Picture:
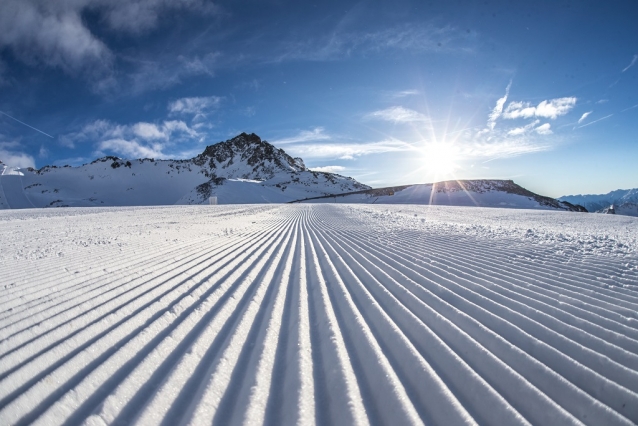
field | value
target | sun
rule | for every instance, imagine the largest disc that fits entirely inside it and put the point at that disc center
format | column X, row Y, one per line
column 441, row 159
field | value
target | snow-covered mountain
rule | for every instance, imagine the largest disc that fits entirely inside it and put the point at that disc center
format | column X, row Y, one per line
column 244, row 169
column 624, row 201
column 481, row 193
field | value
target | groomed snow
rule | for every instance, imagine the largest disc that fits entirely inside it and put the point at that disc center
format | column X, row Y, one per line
column 327, row 314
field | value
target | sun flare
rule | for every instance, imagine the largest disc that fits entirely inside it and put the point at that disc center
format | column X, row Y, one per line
column 441, row 159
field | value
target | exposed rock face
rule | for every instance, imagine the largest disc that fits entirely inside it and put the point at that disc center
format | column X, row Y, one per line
column 263, row 159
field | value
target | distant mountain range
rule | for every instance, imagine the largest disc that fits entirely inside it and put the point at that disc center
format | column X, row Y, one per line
column 241, row 170
column 622, row 201
column 244, row 169
column 480, row 193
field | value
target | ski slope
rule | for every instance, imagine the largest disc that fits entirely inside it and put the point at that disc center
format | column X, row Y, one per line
column 317, row 314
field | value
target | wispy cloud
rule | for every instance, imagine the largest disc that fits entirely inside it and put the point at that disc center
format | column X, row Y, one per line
column 162, row 72
column 595, row 121
column 498, row 108
column 547, row 109
column 584, row 116
column 522, row 130
column 633, row 62
column 348, row 151
column 341, row 44
column 398, row 114
column 502, row 148
column 197, row 106
column 316, row 134
column 405, row 93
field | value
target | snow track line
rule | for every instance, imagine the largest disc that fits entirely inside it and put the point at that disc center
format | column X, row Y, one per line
column 549, row 281
column 629, row 359
column 621, row 401
column 201, row 254
column 523, row 285
column 313, row 314
column 79, row 351
column 70, row 334
column 130, row 260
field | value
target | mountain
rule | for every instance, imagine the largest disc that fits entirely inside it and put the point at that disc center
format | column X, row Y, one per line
column 241, row 170
column 481, row 193
column 624, row 201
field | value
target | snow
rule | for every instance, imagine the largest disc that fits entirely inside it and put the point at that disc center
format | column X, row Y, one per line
column 481, row 193
column 242, row 170
column 158, row 182
column 317, row 313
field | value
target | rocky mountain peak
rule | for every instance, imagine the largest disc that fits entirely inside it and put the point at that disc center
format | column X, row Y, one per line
column 262, row 159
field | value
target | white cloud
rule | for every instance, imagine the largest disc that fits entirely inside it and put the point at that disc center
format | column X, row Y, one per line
column 522, row 130
column 544, row 129
column 329, row 169
column 316, row 134
column 148, row 131
column 131, row 148
column 134, row 140
column 398, row 114
column 546, row 109
column 195, row 105
column 584, row 116
column 498, row 109
column 13, row 158
column 633, row 62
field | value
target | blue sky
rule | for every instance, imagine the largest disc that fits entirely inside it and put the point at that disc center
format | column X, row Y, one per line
column 544, row 93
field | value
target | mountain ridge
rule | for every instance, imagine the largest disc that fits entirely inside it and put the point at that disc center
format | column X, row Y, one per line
column 624, row 201
column 472, row 192
column 243, row 169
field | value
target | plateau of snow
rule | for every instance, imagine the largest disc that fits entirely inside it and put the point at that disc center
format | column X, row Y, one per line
column 317, row 314
column 477, row 193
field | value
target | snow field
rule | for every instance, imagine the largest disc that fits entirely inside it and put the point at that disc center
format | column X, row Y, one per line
column 328, row 314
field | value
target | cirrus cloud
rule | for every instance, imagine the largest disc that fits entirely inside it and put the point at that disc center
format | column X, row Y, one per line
column 398, row 114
